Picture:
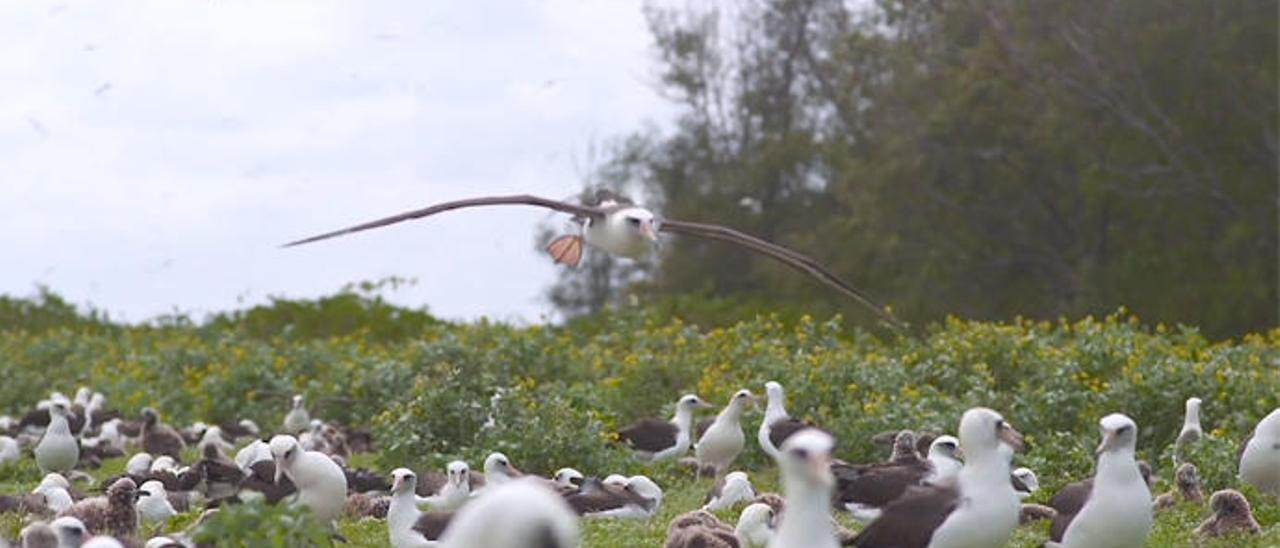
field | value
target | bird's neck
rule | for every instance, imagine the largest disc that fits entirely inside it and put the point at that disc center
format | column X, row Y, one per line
column 808, row 513
column 1117, row 468
column 775, row 411
column 987, row 467
column 1192, row 417
column 683, row 419
column 403, row 511
column 730, row 413
column 58, row 425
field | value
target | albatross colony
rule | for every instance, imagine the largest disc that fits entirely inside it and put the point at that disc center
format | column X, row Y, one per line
column 961, row 495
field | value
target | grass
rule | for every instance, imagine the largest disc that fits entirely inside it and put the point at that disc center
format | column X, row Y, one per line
column 682, row 493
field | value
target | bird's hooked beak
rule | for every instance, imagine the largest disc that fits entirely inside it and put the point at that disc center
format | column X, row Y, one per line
column 1011, row 437
column 649, row 229
column 515, row 472
column 279, row 468
column 1110, row 441
column 703, row 404
column 820, row 468
column 396, row 484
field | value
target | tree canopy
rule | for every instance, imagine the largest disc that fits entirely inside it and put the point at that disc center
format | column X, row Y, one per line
column 986, row 159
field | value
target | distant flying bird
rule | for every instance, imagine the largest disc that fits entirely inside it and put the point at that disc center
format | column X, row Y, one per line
column 618, row 226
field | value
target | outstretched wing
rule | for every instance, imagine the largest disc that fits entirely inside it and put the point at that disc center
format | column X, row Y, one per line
column 781, row 254
column 519, row 199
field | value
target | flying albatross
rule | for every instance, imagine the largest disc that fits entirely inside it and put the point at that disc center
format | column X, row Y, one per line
column 618, row 226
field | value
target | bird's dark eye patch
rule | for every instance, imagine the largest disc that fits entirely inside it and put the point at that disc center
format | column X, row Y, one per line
column 633, row 221
column 800, row 452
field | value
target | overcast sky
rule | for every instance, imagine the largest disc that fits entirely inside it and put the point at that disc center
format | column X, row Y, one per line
column 153, row 154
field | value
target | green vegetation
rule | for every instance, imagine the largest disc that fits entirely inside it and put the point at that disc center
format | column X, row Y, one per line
column 562, row 390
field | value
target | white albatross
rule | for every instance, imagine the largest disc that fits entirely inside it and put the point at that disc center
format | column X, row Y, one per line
column 618, row 226
column 724, row 439
column 321, row 484
column 977, row 510
column 1260, row 456
column 58, row 450
column 805, row 461
column 1117, row 512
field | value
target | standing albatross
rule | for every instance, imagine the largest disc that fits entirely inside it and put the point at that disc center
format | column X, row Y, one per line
column 1117, row 508
column 618, row 226
column 978, row 509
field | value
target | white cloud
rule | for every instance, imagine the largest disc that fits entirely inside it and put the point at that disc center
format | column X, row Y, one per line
column 155, row 153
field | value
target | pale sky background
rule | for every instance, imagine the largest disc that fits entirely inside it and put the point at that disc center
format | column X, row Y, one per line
column 153, row 154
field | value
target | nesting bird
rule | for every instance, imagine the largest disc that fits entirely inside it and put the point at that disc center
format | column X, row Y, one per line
column 656, row 439
column 321, row 484
column 636, row 497
column 1025, row 482
column 1260, row 456
column 1117, row 507
column 1186, row 489
column 729, row 490
column 864, row 490
column 756, row 525
column 58, row 450
column 978, row 509
column 724, row 439
column 700, row 529
column 1231, row 515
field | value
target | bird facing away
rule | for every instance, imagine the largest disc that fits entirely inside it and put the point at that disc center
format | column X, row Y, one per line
column 729, row 490
column 1231, row 515
column 322, row 487
column 1191, row 431
column 518, row 514
column 58, row 450
column 9, row 450
column 620, row 227
column 1117, row 512
column 656, row 439
column 977, row 509
column 297, row 420
column 1260, row 457
column 805, row 462
column 724, row 439
column 1186, row 489
column 944, row 459
column 756, row 525
column 499, row 470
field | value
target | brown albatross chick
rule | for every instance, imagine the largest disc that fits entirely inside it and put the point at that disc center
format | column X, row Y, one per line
column 1187, row 480
column 159, row 438
column 700, row 529
column 1231, row 514
column 114, row 515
